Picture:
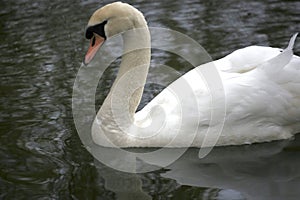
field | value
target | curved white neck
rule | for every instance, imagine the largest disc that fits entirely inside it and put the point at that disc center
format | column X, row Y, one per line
column 126, row 92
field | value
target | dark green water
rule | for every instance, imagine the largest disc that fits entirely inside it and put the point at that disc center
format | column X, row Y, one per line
column 41, row 156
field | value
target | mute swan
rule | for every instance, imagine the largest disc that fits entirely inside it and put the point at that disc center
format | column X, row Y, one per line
column 261, row 84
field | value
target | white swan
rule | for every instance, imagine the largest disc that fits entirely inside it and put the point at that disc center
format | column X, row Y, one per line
column 261, row 84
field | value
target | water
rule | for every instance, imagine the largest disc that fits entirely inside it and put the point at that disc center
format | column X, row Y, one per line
column 41, row 155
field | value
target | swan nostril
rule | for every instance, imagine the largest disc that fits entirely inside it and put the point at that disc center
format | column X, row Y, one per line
column 93, row 41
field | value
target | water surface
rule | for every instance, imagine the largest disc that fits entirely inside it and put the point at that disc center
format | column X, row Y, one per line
column 41, row 155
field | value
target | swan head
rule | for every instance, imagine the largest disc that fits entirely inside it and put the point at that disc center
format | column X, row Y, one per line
column 108, row 21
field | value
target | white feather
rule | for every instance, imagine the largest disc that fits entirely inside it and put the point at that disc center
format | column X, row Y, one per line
column 262, row 90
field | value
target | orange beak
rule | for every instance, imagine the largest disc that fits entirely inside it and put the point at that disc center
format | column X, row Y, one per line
column 95, row 44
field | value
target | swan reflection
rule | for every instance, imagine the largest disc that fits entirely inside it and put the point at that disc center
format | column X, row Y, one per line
column 260, row 171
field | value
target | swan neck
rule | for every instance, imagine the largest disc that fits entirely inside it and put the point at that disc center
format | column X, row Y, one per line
column 126, row 92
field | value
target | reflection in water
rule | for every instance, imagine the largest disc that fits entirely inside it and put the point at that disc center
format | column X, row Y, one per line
column 41, row 156
column 260, row 171
column 124, row 185
column 267, row 171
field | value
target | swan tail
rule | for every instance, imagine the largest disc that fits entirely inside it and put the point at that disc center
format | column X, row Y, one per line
column 273, row 66
column 292, row 41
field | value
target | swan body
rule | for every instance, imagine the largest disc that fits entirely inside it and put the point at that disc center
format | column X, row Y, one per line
column 261, row 87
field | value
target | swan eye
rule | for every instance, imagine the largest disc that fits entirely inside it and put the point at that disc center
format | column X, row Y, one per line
column 99, row 29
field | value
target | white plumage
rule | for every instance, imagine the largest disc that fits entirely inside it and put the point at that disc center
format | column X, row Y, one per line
column 262, row 93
